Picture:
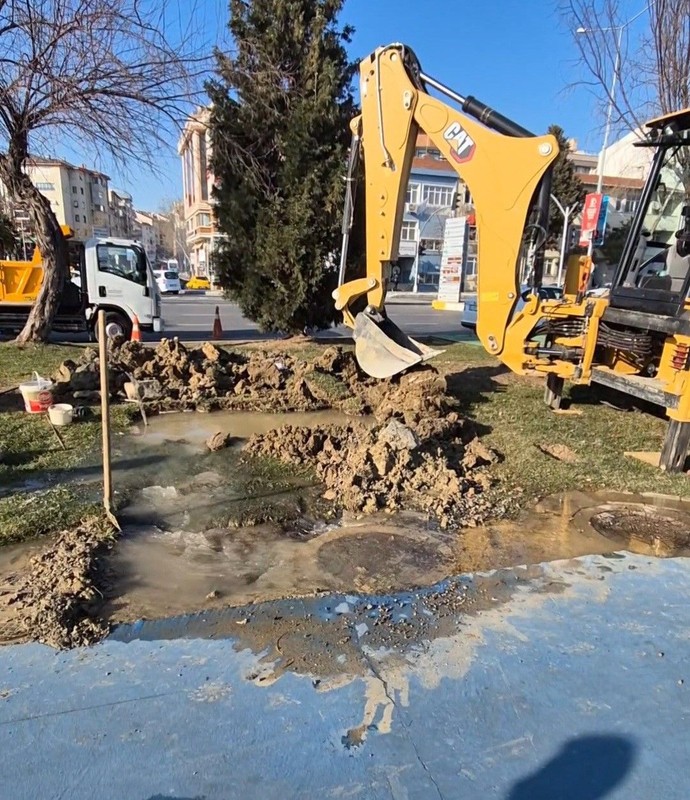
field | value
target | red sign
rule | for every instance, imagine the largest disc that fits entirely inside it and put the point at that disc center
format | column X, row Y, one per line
column 590, row 217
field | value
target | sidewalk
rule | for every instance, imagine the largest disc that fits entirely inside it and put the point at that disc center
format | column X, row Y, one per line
column 566, row 680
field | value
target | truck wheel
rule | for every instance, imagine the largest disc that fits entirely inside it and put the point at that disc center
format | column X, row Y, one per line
column 116, row 324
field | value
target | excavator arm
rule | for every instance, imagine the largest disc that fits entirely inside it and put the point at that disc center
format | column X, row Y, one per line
column 506, row 169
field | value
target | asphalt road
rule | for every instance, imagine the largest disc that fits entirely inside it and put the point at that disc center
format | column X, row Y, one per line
column 190, row 316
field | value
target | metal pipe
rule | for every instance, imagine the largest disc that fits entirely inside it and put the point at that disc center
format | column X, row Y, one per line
column 348, row 211
column 443, row 88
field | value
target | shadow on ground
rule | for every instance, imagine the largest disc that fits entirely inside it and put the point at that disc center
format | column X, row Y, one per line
column 585, row 768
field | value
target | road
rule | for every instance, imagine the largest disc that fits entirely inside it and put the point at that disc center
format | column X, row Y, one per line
column 190, row 316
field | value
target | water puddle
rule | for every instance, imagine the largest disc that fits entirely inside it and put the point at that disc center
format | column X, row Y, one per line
column 194, row 428
column 158, row 574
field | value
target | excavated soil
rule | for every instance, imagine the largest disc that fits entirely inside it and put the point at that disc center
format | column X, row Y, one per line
column 55, row 599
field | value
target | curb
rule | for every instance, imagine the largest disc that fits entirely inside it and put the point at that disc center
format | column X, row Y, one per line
column 447, row 305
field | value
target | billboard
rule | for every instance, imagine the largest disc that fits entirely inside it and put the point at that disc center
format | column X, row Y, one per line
column 452, row 259
column 590, row 218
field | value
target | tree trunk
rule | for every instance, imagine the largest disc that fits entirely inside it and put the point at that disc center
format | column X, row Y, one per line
column 51, row 244
column 53, row 249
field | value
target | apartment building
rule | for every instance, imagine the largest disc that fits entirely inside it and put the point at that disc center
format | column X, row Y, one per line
column 77, row 195
column 122, row 219
column 156, row 234
column 431, row 191
column 194, row 149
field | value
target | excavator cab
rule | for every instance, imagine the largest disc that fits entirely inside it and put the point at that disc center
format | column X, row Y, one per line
column 663, row 215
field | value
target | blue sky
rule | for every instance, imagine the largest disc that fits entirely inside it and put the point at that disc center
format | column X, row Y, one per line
column 515, row 55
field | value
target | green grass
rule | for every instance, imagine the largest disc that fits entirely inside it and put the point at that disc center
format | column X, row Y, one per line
column 326, row 385
column 511, row 417
column 31, row 451
column 17, row 363
column 32, row 514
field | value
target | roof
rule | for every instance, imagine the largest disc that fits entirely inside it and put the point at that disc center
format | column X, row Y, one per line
column 681, row 118
column 434, row 165
column 591, row 179
column 40, row 161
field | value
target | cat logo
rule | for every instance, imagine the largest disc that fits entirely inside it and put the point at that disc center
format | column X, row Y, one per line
column 462, row 144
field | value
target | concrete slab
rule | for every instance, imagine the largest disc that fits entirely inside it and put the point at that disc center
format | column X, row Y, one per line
column 572, row 685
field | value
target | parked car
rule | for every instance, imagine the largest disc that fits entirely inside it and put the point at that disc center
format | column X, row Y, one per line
column 168, row 281
column 198, row 282
column 469, row 313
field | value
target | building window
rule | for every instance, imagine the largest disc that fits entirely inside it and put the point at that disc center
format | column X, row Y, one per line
column 45, row 187
column 203, row 220
column 76, row 218
column 412, row 195
column 74, row 190
column 439, row 196
column 82, row 190
column 432, row 245
column 471, row 266
column 408, row 232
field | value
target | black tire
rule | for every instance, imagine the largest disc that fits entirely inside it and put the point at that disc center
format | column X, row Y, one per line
column 175, row 292
column 123, row 322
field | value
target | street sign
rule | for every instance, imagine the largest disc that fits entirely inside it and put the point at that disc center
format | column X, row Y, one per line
column 590, row 217
column 452, row 259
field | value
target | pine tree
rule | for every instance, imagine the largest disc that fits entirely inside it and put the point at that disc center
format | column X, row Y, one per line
column 566, row 186
column 281, row 107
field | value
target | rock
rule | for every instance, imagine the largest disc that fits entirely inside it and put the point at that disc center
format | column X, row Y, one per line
column 219, row 441
column 560, row 452
column 240, row 387
column 478, row 455
column 399, row 436
column 85, row 378
column 211, row 352
column 214, row 595
column 64, row 372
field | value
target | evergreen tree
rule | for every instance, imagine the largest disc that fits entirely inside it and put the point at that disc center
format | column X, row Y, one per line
column 566, row 186
column 282, row 104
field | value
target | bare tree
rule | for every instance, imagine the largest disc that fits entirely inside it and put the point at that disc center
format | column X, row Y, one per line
column 652, row 70
column 109, row 77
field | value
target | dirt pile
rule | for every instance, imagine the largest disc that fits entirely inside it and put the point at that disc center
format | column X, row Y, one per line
column 172, row 376
column 420, row 455
column 55, row 601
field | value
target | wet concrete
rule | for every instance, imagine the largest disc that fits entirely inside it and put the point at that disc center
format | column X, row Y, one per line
column 567, row 686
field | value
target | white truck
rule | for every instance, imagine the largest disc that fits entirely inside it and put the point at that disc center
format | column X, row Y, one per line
column 105, row 273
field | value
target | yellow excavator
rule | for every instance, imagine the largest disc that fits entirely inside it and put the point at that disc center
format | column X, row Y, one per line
column 634, row 337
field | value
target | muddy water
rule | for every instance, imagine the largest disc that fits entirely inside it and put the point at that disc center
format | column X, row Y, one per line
column 194, row 428
column 159, row 574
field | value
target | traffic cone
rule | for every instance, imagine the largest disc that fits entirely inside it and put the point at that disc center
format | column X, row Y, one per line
column 217, row 327
column 136, row 333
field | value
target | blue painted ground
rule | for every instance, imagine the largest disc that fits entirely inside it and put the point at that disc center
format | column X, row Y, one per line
column 575, row 688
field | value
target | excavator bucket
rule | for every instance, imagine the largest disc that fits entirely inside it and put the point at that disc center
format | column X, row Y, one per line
column 382, row 349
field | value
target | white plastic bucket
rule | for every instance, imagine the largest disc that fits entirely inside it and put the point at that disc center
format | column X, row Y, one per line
column 37, row 394
column 61, row 414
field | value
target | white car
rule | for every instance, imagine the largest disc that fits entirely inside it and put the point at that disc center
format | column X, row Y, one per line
column 469, row 313
column 168, row 281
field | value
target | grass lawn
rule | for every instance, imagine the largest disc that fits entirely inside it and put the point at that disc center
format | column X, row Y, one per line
column 30, row 450
column 510, row 414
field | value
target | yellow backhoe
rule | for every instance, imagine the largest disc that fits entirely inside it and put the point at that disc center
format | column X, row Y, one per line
column 634, row 338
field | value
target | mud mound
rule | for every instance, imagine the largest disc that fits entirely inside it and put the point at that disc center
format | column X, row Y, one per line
column 172, row 376
column 435, row 466
column 55, row 601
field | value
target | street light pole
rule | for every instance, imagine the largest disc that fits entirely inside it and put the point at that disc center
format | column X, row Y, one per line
column 612, row 100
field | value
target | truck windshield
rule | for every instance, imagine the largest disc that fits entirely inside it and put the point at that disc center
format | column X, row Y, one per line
column 128, row 262
column 171, row 276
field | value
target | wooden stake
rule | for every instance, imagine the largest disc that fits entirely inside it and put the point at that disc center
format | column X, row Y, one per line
column 105, row 420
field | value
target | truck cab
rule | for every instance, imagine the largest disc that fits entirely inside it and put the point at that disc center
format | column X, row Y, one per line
column 104, row 273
